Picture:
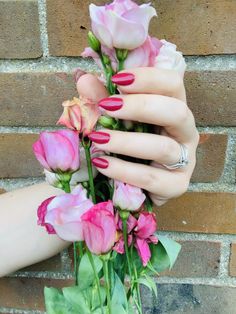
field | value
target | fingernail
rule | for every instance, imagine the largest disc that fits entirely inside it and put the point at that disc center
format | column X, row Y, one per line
column 111, row 104
column 77, row 74
column 123, row 79
column 99, row 137
column 100, row 162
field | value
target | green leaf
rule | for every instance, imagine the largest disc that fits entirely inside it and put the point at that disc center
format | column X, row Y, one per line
column 95, row 298
column 86, row 275
column 77, row 298
column 148, row 282
column 56, row 304
column 172, row 248
column 118, row 294
column 117, row 308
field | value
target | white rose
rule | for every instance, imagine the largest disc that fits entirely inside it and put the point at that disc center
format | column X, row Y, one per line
column 169, row 58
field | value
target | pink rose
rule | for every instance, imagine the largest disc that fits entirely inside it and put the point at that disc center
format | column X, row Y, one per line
column 127, row 197
column 99, row 227
column 58, row 151
column 144, row 234
column 145, row 55
column 64, row 214
column 79, row 114
column 169, row 58
column 122, row 24
column 42, row 210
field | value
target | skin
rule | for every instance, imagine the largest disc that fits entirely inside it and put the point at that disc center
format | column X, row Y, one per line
column 157, row 97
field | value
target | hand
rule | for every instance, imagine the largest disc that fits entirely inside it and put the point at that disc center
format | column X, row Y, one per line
column 157, row 97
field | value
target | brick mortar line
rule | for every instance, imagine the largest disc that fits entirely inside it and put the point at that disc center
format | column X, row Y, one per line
column 224, row 260
column 197, row 281
column 192, row 236
column 19, row 311
column 48, row 64
column 14, row 183
column 24, row 129
column 228, row 175
column 43, row 26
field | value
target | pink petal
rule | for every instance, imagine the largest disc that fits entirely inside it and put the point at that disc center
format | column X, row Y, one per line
column 40, row 154
column 143, row 250
column 146, row 225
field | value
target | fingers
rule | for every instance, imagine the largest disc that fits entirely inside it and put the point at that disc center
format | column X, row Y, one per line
column 160, row 182
column 159, row 148
column 89, row 86
column 150, row 80
column 171, row 113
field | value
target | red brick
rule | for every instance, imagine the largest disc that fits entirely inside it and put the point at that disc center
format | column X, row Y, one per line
column 33, row 99
column 232, row 266
column 196, row 259
column 211, row 96
column 17, row 158
column 27, row 293
column 177, row 22
column 51, row 264
column 206, row 212
column 19, row 30
column 210, row 158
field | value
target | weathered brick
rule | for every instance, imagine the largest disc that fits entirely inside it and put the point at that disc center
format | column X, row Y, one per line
column 68, row 28
column 197, row 259
column 51, row 264
column 232, row 266
column 211, row 96
column 210, row 158
column 19, row 29
column 27, row 293
column 17, row 158
column 191, row 299
column 207, row 212
column 33, row 99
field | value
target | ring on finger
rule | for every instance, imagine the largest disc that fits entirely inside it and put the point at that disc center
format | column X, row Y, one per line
column 183, row 160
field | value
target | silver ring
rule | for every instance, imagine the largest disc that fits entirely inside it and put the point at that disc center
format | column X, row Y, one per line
column 183, row 161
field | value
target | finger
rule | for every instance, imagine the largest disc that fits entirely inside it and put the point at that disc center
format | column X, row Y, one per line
column 171, row 113
column 151, row 80
column 157, row 181
column 89, row 86
column 161, row 149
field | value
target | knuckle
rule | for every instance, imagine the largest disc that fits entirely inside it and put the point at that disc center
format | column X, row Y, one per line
column 150, row 181
column 178, row 82
column 166, row 148
column 182, row 112
column 183, row 185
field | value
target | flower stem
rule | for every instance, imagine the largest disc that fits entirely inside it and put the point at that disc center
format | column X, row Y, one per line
column 136, row 285
column 107, row 281
column 96, row 279
column 90, row 169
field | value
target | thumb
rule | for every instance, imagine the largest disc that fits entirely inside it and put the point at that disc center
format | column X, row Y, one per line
column 89, row 86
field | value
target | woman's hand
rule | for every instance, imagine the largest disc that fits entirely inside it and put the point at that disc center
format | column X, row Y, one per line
column 153, row 96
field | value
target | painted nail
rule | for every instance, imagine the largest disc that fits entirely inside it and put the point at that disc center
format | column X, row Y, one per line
column 99, row 137
column 123, row 79
column 77, row 74
column 111, row 104
column 100, row 162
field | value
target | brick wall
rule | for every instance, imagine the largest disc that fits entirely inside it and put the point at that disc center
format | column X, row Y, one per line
column 40, row 42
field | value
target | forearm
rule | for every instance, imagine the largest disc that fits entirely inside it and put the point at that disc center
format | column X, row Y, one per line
column 22, row 241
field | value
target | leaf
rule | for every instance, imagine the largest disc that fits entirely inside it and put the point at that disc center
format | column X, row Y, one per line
column 172, row 248
column 95, row 298
column 148, row 282
column 77, row 297
column 86, row 275
column 118, row 294
column 117, row 308
column 56, row 303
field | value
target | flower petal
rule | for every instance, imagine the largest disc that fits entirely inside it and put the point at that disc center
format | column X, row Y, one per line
column 143, row 250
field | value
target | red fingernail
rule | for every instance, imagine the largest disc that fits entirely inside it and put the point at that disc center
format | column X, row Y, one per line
column 123, row 79
column 111, row 104
column 77, row 74
column 99, row 137
column 100, row 162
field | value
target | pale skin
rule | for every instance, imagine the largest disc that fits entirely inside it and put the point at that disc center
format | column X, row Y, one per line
column 156, row 97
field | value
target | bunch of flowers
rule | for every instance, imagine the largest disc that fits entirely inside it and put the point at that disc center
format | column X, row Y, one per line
column 111, row 223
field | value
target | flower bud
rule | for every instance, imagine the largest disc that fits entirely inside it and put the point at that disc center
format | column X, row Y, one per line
column 94, row 43
column 121, row 54
column 107, row 122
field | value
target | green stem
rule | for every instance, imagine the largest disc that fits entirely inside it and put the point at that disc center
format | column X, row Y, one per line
column 107, row 281
column 90, row 170
column 136, row 285
column 124, row 227
column 96, row 279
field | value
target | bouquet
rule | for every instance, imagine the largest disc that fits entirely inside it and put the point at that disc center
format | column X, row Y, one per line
column 112, row 224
